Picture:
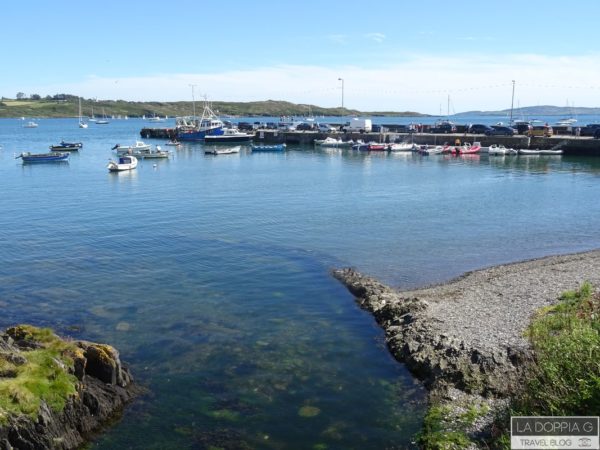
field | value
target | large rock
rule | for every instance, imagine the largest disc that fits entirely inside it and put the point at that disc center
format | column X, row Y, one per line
column 103, row 386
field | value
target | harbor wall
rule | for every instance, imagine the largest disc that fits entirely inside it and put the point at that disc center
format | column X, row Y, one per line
column 571, row 145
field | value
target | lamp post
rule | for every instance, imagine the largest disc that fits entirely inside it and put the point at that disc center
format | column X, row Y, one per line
column 193, row 99
column 512, row 102
column 342, row 80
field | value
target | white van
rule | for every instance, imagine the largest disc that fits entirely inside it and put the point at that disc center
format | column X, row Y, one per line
column 359, row 125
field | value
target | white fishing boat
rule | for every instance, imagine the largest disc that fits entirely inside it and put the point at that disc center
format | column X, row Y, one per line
column 127, row 162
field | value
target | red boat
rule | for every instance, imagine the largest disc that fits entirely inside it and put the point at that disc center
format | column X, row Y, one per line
column 466, row 149
column 377, row 147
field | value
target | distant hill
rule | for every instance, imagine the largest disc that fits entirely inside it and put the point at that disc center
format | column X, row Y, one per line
column 67, row 106
column 543, row 110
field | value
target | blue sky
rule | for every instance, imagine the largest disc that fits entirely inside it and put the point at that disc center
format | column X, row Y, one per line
column 392, row 55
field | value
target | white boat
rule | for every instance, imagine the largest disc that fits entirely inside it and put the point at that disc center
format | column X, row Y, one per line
column 174, row 143
column 524, row 151
column 127, row 162
column 102, row 121
column 403, row 147
column 222, row 151
column 496, row 149
column 230, row 135
column 30, row 124
column 155, row 119
column 156, row 153
column 427, row 150
column 130, row 149
column 332, row 142
column 82, row 124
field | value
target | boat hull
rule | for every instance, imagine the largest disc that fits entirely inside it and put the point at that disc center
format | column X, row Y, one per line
column 44, row 157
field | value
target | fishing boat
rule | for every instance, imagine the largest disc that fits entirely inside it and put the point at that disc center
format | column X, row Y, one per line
column 30, row 124
column 194, row 129
column 66, row 146
column 127, row 162
column 230, row 135
column 129, row 149
column 222, row 150
column 269, row 148
column 29, row 157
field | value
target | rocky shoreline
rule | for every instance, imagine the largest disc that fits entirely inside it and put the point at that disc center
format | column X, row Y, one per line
column 465, row 339
column 102, row 386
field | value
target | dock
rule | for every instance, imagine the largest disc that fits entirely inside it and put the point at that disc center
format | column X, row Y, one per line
column 569, row 144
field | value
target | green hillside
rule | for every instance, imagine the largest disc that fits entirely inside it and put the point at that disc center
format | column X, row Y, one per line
column 67, row 106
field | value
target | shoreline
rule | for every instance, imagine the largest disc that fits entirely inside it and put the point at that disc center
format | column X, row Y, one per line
column 464, row 339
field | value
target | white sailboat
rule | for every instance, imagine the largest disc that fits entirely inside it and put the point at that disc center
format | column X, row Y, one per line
column 82, row 124
column 103, row 121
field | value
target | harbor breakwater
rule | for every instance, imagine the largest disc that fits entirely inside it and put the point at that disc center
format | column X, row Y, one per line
column 466, row 339
column 571, row 145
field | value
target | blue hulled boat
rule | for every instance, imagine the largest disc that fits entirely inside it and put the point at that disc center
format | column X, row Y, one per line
column 28, row 157
column 268, row 148
column 191, row 128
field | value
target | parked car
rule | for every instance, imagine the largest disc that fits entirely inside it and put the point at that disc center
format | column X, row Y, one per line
column 541, row 130
column 325, row 128
column 304, row 127
column 501, row 130
column 523, row 128
column 479, row 129
column 443, row 128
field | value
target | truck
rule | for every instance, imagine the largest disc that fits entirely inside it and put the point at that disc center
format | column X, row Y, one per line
column 359, row 125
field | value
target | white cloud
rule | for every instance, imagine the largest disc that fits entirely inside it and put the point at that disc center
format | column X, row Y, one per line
column 417, row 83
column 377, row 37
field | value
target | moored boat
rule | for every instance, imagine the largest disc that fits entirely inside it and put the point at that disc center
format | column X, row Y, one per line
column 193, row 129
column 29, row 157
column 156, row 153
column 402, row 147
column 332, row 142
column 222, row 150
column 427, row 150
column 127, row 162
column 30, row 124
column 67, row 146
column 230, row 135
column 524, row 151
column 375, row 147
column 125, row 149
column 268, row 148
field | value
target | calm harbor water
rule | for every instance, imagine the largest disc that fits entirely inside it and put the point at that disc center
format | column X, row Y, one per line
column 211, row 274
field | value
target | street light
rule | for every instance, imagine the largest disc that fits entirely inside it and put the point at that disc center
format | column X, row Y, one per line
column 342, row 80
column 193, row 99
column 512, row 102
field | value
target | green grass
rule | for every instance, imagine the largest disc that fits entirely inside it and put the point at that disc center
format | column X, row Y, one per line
column 439, row 432
column 43, row 377
column 564, row 378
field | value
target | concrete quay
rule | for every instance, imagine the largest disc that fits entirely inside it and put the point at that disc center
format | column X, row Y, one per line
column 571, row 145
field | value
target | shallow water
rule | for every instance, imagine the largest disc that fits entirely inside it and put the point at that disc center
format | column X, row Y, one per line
column 211, row 274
